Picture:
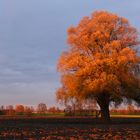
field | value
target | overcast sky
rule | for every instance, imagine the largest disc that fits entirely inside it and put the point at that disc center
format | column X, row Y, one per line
column 32, row 36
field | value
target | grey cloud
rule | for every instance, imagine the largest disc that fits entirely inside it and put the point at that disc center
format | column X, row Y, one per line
column 32, row 36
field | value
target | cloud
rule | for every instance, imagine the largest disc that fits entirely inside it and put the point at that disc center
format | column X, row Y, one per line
column 32, row 36
column 28, row 93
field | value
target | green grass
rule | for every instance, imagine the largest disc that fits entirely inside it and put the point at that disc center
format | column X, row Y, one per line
column 49, row 114
column 125, row 116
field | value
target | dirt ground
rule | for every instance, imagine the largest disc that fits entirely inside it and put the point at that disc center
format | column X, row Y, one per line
column 68, row 129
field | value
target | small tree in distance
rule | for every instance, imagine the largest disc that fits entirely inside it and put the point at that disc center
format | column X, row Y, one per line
column 52, row 109
column 101, row 62
column 10, row 110
column 19, row 109
column 41, row 108
column 28, row 110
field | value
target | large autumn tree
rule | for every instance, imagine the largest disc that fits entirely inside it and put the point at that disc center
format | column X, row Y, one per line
column 101, row 62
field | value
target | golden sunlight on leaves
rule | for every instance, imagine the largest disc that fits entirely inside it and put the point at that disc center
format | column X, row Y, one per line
column 100, row 57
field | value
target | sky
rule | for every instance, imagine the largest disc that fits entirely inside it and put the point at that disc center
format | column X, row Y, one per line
column 32, row 37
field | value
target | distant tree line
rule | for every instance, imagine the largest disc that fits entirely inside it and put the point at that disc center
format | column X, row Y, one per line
column 130, row 110
column 19, row 109
column 91, row 108
column 79, row 108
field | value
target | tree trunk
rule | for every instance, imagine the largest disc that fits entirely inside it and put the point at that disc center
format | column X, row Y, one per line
column 104, row 108
column 105, row 116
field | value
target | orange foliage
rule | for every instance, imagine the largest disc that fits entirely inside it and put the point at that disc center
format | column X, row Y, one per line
column 101, row 60
column 28, row 110
column 19, row 109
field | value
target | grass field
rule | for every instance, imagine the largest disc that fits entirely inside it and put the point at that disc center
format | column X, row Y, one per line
column 68, row 128
column 125, row 116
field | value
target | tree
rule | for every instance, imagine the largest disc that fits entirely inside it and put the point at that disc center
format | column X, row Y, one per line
column 130, row 109
column 19, row 109
column 41, row 108
column 28, row 110
column 52, row 109
column 101, row 62
column 10, row 110
column 2, row 107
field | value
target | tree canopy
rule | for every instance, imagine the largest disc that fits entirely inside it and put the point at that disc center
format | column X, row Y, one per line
column 101, row 62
